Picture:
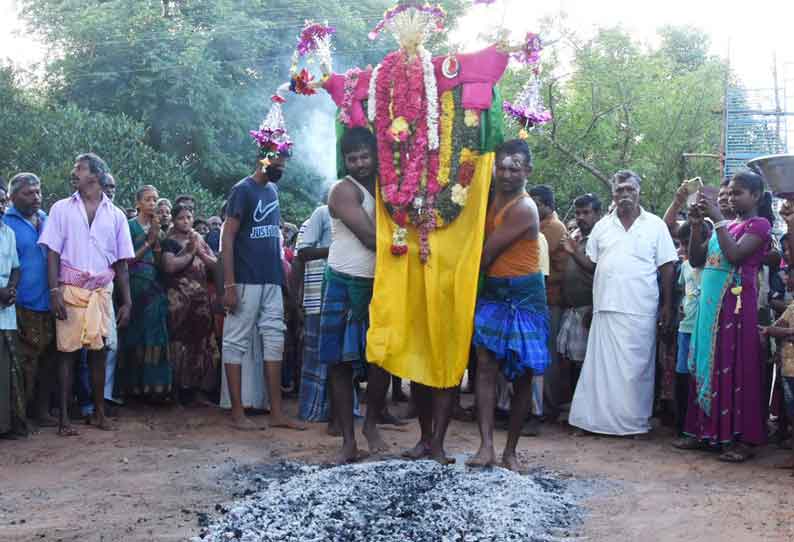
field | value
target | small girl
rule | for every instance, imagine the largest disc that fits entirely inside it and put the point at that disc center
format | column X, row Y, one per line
column 783, row 330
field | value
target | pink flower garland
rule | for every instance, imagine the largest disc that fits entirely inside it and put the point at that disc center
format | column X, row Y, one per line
column 351, row 82
column 406, row 97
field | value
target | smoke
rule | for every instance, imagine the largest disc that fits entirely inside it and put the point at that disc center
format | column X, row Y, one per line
column 314, row 134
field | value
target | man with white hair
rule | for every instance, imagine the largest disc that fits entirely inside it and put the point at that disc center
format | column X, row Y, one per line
column 626, row 250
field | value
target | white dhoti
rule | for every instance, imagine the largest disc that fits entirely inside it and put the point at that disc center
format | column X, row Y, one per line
column 614, row 395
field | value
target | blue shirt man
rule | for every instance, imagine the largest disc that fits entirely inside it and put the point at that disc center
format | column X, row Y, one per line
column 35, row 322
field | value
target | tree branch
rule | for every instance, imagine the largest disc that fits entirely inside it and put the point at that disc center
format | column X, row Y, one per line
column 581, row 162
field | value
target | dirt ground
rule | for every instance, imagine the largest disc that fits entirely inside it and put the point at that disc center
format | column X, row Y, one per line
column 165, row 467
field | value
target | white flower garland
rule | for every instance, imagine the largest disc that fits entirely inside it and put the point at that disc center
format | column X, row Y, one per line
column 371, row 105
column 431, row 91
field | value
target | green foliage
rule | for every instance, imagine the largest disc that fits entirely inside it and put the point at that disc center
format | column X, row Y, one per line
column 198, row 74
column 46, row 140
column 621, row 106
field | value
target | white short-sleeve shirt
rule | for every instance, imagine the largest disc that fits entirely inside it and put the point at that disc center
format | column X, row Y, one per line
column 9, row 260
column 627, row 262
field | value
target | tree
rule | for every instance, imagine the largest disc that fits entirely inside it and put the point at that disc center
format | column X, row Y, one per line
column 618, row 106
column 198, row 74
column 46, row 140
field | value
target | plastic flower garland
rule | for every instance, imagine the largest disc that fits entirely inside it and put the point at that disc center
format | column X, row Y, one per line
column 271, row 137
column 527, row 109
column 314, row 39
column 530, row 51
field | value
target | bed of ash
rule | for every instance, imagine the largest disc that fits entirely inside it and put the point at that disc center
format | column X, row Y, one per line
column 397, row 501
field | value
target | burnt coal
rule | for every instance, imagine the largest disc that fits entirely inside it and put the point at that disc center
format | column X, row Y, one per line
column 398, row 501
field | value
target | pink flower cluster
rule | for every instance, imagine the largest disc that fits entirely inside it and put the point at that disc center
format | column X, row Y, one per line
column 525, row 116
column 351, row 82
column 530, row 52
column 400, row 93
column 270, row 140
column 311, row 34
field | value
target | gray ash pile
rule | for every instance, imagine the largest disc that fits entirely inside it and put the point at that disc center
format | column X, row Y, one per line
column 399, row 501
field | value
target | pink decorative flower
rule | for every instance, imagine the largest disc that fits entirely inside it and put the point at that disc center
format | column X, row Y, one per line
column 311, row 34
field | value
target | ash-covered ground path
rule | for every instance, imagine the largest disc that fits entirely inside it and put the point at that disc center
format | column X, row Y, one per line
column 395, row 501
column 167, row 472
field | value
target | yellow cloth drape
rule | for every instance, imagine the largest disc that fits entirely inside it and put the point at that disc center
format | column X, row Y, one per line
column 422, row 315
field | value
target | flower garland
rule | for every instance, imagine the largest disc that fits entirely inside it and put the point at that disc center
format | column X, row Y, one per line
column 314, row 39
column 372, row 94
column 452, row 199
column 398, row 101
column 431, row 97
column 527, row 109
column 445, row 151
column 271, row 137
column 351, row 82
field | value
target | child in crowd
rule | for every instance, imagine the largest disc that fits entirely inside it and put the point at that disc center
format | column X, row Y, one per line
column 689, row 282
column 783, row 331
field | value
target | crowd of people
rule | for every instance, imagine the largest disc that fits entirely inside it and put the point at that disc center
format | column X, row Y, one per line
column 617, row 317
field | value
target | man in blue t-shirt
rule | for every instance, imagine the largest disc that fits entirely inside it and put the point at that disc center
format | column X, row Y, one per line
column 253, row 277
column 35, row 322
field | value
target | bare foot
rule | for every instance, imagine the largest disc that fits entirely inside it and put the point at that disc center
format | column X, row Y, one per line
column 376, row 443
column 419, row 451
column 441, row 457
column 101, row 423
column 333, row 430
column 286, row 423
column 67, row 431
column 244, row 424
column 510, row 462
column 486, row 457
column 349, row 454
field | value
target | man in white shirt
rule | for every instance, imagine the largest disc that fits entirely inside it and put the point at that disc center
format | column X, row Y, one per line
column 626, row 249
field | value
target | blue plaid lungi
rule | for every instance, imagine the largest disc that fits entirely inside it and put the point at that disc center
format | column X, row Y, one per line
column 313, row 403
column 344, row 320
column 512, row 321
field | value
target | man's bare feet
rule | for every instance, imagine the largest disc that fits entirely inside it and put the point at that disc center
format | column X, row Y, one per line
column 510, row 462
column 485, row 457
column 242, row 423
column 101, row 422
column 349, row 454
column 376, row 443
column 441, row 457
column 419, row 451
column 287, row 423
column 333, row 430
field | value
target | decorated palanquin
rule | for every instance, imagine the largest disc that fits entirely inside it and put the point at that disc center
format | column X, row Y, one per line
column 437, row 123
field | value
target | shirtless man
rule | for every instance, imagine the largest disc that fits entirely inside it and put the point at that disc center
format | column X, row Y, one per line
column 348, row 290
column 511, row 322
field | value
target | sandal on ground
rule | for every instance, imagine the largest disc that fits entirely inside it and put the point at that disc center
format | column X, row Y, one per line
column 737, row 453
column 68, row 431
column 689, row 443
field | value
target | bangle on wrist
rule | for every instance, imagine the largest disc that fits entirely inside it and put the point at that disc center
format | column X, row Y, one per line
column 226, row 286
column 721, row 224
column 54, row 289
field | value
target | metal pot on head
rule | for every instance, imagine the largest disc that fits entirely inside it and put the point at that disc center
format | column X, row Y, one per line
column 778, row 172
